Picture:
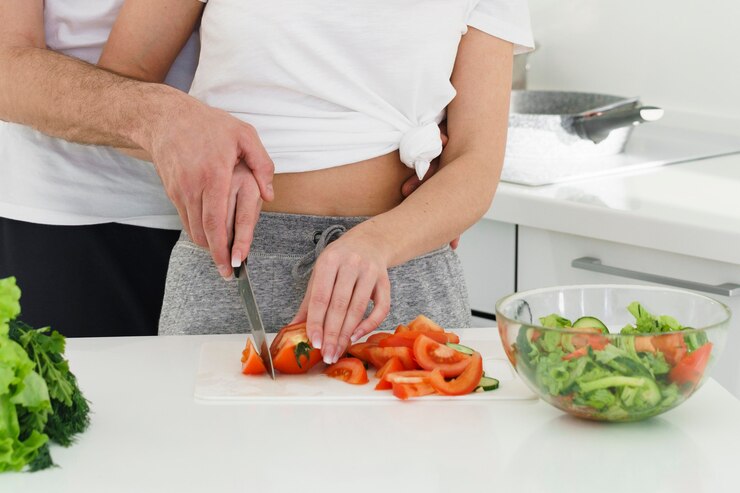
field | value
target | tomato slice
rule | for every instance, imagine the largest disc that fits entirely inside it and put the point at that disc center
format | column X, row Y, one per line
column 578, row 353
column 359, row 350
column 424, row 324
column 291, row 352
column 408, row 376
column 432, row 355
column 406, row 339
column 286, row 335
column 644, row 344
column 251, row 362
column 691, row 367
column 591, row 337
column 378, row 336
column 672, row 346
column 405, row 391
column 378, row 356
column 350, row 370
column 452, row 337
column 464, row 384
column 401, row 329
column 391, row 366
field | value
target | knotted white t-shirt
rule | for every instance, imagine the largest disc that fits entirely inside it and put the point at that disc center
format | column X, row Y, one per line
column 333, row 82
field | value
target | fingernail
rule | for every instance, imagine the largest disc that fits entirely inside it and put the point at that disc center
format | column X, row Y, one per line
column 317, row 342
column 224, row 271
column 236, row 259
column 354, row 338
column 329, row 354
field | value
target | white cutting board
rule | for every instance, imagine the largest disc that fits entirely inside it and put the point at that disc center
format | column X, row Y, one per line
column 219, row 377
column 650, row 145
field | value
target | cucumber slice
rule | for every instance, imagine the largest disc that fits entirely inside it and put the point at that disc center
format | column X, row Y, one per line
column 486, row 384
column 460, row 348
column 591, row 322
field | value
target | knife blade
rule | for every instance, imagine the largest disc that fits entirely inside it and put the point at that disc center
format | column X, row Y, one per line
column 255, row 320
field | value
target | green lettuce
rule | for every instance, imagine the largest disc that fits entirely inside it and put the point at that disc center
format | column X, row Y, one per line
column 24, row 397
column 10, row 305
column 646, row 323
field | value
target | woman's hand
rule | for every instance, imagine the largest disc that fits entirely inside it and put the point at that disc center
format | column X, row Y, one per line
column 244, row 207
column 349, row 273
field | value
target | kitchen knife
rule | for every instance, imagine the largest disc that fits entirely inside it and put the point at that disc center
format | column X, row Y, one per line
column 255, row 320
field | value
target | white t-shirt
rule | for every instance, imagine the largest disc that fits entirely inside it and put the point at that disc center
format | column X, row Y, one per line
column 333, row 82
column 50, row 181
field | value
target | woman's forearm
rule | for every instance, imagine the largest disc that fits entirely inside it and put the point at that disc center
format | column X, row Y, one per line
column 462, row 191
column 438, row 211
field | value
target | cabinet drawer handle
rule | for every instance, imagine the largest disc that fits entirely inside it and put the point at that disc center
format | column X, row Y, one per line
column 594, row 265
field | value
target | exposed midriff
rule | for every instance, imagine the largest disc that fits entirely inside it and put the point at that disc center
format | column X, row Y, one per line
column 366, row 188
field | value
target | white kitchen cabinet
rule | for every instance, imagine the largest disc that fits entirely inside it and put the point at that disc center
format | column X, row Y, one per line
column 545, row 257
column 488, row 255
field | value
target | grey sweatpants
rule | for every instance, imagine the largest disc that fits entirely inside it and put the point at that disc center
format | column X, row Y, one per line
column 285, row 246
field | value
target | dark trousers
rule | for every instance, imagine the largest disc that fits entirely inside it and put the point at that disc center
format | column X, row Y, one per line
column 88, row 281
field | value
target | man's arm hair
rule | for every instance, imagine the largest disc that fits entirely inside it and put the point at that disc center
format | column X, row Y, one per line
column 66, row 97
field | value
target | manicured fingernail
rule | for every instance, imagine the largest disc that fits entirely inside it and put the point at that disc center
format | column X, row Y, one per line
column 329, row 354
column 236, row 259
column 317, row 342
column 224, row 271
column 354, row 338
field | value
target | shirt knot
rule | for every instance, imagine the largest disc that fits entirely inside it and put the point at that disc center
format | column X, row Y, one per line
column 420, row 146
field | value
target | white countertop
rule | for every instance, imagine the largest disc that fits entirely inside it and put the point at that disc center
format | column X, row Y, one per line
column 690, row 208
column 149, row 435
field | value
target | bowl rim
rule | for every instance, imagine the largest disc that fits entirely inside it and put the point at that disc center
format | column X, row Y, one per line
column 693, row 330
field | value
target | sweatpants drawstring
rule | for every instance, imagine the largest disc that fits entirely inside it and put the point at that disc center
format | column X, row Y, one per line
column 304, row 266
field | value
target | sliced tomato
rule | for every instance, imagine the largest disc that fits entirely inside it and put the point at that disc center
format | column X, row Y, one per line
column 392, row 365
column 423, row 323
column 644, row 344
column 401, row 329
column 463, row 384
column 251, row 362
column 432, row 355
column 378, row 336
column 383, row 384
column 406, row 339
column 578, row 353
column 591, row 337
column 406, row 391
column 536, row 334
column 691, row 367
column 672, row 346
column 378, row 356
column 291, row 352
column 408, row 376
column 359, row 350
column 351, row 370
column 286, row 335
column 452, row 337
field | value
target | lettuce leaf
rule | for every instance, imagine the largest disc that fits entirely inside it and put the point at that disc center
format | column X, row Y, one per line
column 24, row 396
column 646, row 323
column 10, row 305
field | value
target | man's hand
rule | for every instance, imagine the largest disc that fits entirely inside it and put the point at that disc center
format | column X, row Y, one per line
column 196, row 150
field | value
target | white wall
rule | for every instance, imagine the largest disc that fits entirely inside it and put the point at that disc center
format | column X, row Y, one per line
column 680, row 54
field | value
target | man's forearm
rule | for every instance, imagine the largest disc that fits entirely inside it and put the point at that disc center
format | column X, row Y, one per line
column 71, row 99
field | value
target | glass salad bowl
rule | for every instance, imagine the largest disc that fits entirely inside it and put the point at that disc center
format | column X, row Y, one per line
column 612, row 352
